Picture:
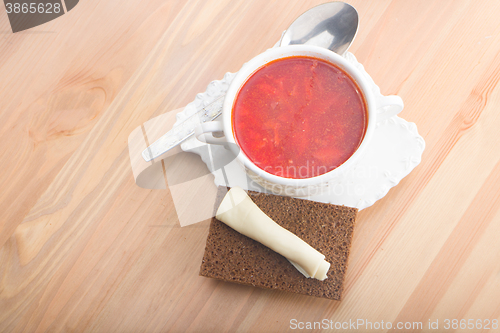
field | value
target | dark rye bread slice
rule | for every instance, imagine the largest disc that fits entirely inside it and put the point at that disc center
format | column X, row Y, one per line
column 231, row 256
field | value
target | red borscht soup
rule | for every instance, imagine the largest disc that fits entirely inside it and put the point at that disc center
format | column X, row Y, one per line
column 299, row 117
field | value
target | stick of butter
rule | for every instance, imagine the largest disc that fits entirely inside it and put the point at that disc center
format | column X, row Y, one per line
column 239, row 212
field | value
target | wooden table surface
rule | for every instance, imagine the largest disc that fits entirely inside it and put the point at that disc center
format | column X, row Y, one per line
column 83, row 248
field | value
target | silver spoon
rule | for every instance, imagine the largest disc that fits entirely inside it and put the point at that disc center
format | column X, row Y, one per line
column 332, row 25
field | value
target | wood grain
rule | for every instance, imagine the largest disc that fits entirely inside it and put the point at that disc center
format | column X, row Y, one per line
column 82, row 248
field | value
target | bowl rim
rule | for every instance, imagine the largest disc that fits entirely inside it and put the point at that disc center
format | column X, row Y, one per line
column 249, row 68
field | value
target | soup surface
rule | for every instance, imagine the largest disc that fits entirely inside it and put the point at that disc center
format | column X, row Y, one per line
column 299, row 117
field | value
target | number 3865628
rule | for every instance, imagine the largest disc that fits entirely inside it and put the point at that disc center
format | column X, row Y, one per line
column 32, row 8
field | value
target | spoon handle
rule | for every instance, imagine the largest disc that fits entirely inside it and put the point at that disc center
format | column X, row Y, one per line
column 183, row 131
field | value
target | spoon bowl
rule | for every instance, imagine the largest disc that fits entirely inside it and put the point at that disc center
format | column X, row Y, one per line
column 332, row 25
